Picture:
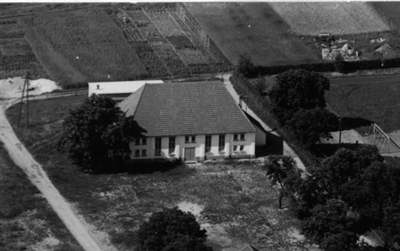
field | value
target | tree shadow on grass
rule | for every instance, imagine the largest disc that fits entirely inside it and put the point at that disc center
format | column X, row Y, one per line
column 327, row 150
column 147, row 167
column 349, row 123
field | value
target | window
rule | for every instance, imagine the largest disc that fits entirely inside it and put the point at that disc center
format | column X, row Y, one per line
column 171, row 145
column 235, row 148
column 242, row 136
column 221, row 143
column 208, row 144
column 241, row 147
column 137, row 153
column 137, row 141
column 190, row 139
column 144, row 153
column 235, row 137
column 157, row 151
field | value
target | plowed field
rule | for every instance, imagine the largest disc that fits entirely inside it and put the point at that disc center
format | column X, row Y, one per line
column 251, row 28
column 311, row 18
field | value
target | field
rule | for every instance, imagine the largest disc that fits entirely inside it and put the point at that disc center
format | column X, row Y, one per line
column 237, row 204
column 169, row 41
column 27, row 222
column 82, row 46
column 337, row 18
column 390, row 11
column 251, row 28
column 16, row 55
column 79, row 43
column 372, row 98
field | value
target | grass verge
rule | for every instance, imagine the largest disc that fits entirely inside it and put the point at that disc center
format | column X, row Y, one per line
column 371, row 99
column 27, row 222
column 238, row 205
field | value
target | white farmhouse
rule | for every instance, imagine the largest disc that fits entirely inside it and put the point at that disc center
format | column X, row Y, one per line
column 118, row 90
column 193, row 121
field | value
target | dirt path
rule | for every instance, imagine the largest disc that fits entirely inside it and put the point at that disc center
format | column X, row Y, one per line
column 287, row 150
column 38, row 177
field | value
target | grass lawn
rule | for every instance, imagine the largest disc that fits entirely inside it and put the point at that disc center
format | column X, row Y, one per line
column 27, row 222
column 370, row 100
column 238, row 205
column 254, row 29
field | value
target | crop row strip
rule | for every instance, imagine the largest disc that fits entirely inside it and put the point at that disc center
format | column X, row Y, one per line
column 170, row 49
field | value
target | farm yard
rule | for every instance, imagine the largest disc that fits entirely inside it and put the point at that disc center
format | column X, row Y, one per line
column 337, row 18
column 254, row 29
column 118, row 203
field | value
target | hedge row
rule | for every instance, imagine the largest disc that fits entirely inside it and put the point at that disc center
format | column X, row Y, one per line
column 260, row 106
column 330, row 66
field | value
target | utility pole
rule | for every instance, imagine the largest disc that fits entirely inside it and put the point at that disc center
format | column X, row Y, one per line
column 26, row 85
column 340, row 131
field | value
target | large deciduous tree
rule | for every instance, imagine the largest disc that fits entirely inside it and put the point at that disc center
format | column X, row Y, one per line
column 332, row 227
column 295, row 90
column 282, row 171
column 171, row 230
column 309, row 126
column 98, row 133
column 298, row 102
column 367, row 188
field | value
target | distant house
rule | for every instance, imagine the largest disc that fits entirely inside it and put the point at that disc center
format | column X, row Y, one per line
column 193, row 121
column 118, row 90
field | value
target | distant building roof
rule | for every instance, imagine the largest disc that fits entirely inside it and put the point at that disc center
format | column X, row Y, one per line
column 119, row 87
column 189, row 108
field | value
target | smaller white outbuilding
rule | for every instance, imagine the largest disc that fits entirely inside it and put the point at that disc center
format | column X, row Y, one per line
column 118, row 90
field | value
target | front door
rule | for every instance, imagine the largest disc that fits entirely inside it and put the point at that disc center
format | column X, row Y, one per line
column 189, row 154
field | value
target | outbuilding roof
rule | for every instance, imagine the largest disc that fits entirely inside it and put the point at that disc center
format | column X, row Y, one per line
column 189, row 108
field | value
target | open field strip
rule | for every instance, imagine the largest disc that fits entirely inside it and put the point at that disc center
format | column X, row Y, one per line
column 251, row 28
column 88, row 42
column 390, row 11
column 374, row 98
column 312, row 18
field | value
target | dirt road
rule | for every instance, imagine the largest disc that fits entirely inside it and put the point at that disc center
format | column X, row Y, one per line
column 287, row 150
column 38, row 177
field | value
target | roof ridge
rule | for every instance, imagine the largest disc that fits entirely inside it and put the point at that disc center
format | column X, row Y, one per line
column 140, row 98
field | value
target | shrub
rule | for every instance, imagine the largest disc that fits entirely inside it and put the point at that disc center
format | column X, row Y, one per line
column 171, row 230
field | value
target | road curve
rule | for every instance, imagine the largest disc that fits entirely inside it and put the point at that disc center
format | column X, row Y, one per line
column 38, row 177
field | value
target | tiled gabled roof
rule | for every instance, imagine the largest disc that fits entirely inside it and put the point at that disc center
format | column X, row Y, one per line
column 190, row 108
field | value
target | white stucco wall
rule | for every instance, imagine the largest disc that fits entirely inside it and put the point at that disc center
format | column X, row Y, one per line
column 118, row 87
column 199, row 145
